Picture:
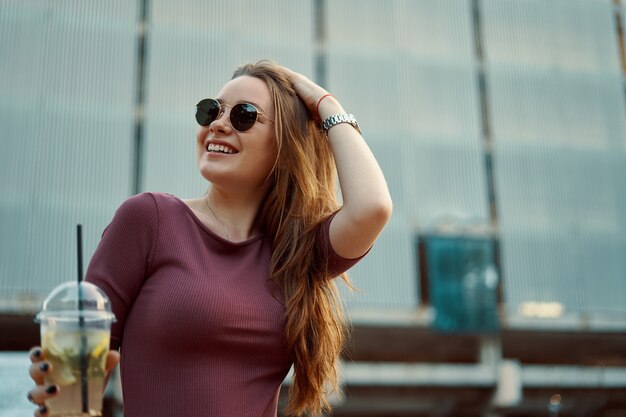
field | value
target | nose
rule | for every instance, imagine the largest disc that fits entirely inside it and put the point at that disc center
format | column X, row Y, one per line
column 221, row 123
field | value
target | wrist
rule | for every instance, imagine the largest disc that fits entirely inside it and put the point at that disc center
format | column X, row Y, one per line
column 329, row 106
column 337, row 119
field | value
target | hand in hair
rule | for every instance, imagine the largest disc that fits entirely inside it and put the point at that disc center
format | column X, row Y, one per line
column 314, row 96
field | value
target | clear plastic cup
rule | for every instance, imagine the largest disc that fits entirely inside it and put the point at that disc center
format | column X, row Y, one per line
column 75, row 324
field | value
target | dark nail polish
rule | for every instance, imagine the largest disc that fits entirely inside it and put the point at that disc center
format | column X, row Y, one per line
column 52, row 389
column 44, row 367
column 43, row 409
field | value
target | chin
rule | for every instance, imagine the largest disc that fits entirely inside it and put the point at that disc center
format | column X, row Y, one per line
column 213, row 176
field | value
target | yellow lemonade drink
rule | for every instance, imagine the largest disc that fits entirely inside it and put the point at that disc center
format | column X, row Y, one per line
column 62, row 348
column 75, row 324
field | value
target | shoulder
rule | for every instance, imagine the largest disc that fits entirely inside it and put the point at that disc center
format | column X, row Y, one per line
column 148, row 202
column 142, row 203
column 137, row 216
column 144, row 207
column 153, row 209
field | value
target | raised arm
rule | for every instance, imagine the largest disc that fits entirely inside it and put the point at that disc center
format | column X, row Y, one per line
column 367, row 204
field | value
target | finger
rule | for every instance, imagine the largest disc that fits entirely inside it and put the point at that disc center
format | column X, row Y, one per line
column 296, row 78
column 35, row 354
column 113, row 358
column 288, row 71
column 41, row 393
column 42, row 411
column 38, row 371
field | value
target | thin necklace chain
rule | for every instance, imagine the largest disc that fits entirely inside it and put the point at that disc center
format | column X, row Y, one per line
column 206, row 200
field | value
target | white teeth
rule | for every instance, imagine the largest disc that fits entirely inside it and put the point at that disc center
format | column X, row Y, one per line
column 212, row 147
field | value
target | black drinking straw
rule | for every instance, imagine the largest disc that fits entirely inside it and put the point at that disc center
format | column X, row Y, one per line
column 84, row 390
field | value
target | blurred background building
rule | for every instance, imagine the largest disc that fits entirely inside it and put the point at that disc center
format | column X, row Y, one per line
column 499, row 286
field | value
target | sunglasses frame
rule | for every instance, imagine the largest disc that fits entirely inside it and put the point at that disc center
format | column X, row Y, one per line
column 220, row 113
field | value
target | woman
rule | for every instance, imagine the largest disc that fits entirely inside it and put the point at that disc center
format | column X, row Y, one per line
column 217, row 297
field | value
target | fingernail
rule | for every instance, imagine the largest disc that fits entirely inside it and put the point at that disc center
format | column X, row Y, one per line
column 52, row 389
column 44, row 367
column 37, row 353
column 43, row 409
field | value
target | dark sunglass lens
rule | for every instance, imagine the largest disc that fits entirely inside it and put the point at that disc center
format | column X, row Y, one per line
column 243, row 116
column 207, row 111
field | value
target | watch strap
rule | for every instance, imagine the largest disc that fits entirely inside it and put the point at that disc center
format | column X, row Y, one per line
column 336, row 119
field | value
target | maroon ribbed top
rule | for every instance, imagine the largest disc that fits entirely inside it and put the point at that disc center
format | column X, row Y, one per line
column 199, row 324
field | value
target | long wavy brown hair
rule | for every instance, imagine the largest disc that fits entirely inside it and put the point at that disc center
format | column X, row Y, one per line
column 302, row 194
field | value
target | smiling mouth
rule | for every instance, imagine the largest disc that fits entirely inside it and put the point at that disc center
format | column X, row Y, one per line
column 214, row 148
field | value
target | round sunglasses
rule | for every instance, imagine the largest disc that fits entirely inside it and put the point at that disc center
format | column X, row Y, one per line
column 242, row 115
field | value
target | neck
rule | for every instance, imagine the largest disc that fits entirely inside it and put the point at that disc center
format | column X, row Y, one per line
column 236, row 211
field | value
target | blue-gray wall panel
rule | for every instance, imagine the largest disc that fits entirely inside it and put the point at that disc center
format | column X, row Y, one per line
column 556, row 103
column 66, row 97
column 406, row 70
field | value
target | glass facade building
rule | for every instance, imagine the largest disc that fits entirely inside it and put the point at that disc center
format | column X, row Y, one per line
column 506, row 117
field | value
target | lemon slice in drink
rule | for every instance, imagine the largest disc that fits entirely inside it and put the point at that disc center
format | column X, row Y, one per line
column 62, row 375
column 61, row 343
column 101, row 346
column 59, row 350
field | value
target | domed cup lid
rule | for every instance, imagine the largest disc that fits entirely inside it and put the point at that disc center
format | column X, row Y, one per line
column 71, row 300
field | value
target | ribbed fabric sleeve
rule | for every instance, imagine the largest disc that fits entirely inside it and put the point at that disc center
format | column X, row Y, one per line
column 335, row 263
column 199, row 324
column 122, row 260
